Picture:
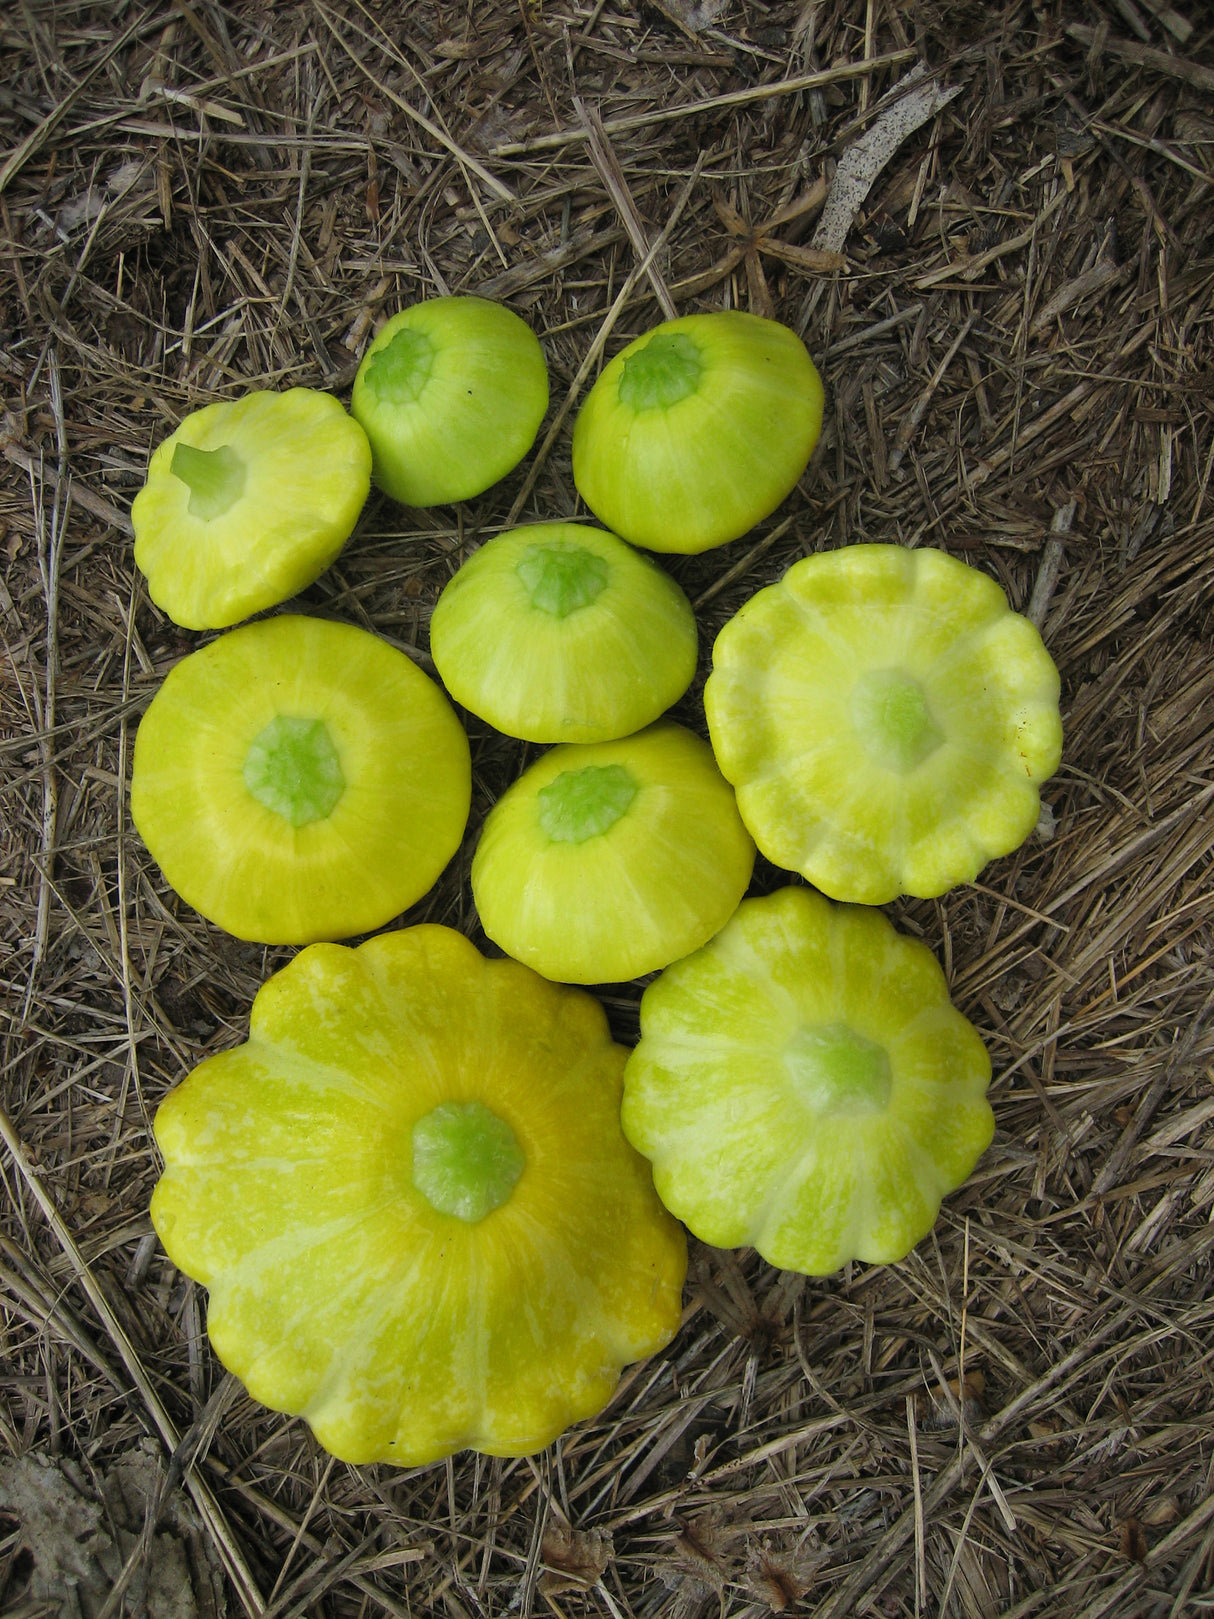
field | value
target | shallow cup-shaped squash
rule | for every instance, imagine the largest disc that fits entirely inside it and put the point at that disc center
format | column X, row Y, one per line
column 562, row 633
column 804, row 1086
column 886, row 719
column 410, row 1198
column 697, row 430
column 451, row 394
column 608, row 860
column 247, row 503
column 298, row 779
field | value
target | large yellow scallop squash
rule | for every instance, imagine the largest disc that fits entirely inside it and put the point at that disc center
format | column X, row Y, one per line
column 411, row 1200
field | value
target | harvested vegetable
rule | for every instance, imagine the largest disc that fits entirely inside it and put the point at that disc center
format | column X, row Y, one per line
column 451, row 394
column 803, row 1085
column 697, row 430
column 298, row 780
column 412, row 1203
column 886, row 719
column 247, row 503
column 608, row 860
column 562, row 633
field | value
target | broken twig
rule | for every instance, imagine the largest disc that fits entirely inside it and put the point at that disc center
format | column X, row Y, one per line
column 864, row 159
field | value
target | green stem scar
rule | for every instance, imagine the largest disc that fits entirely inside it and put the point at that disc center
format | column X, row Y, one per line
column 561, row 578
column 666, row 370
column 836, row 1071
column 215, row 478
column 465, row 1160
column 895, row 725
column 293, row 769
column 582, row 804
column 399, row 372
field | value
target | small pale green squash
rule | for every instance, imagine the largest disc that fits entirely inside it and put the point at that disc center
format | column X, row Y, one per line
column 697, row 430
column 451, row 394
column 559, row 632
column 608, row 860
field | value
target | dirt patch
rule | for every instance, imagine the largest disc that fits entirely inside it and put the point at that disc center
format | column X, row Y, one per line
column 130, row 1547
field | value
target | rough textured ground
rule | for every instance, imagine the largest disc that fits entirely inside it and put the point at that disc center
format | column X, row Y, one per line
column 196, row 198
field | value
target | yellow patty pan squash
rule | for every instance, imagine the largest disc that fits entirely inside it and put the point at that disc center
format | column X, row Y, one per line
column 559, row 632
column 804, row 1085
column 299, row 779
column 247, row 503
column 611, row 859
column 410, row 1198
column 697, row 430
column 886, row 720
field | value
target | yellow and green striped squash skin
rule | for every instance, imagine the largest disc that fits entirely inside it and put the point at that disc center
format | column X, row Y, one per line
column 402, row 752
column 758, row 1140
column 307, row 467
column 337, row 1291
column 886, row 719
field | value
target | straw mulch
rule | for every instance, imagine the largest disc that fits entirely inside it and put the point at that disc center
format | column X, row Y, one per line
column 196, row 199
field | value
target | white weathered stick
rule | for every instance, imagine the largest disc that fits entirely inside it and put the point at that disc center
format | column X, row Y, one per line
column 867, row 156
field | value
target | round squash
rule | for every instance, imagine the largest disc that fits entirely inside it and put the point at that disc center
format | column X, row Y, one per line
column 605, row 861
column 299, row 780
column 803, row 1085
column 451, row 394
column 697, row 430
column 886, row 719
column 410, row 1198
column 562, row 633
column 247, row 503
